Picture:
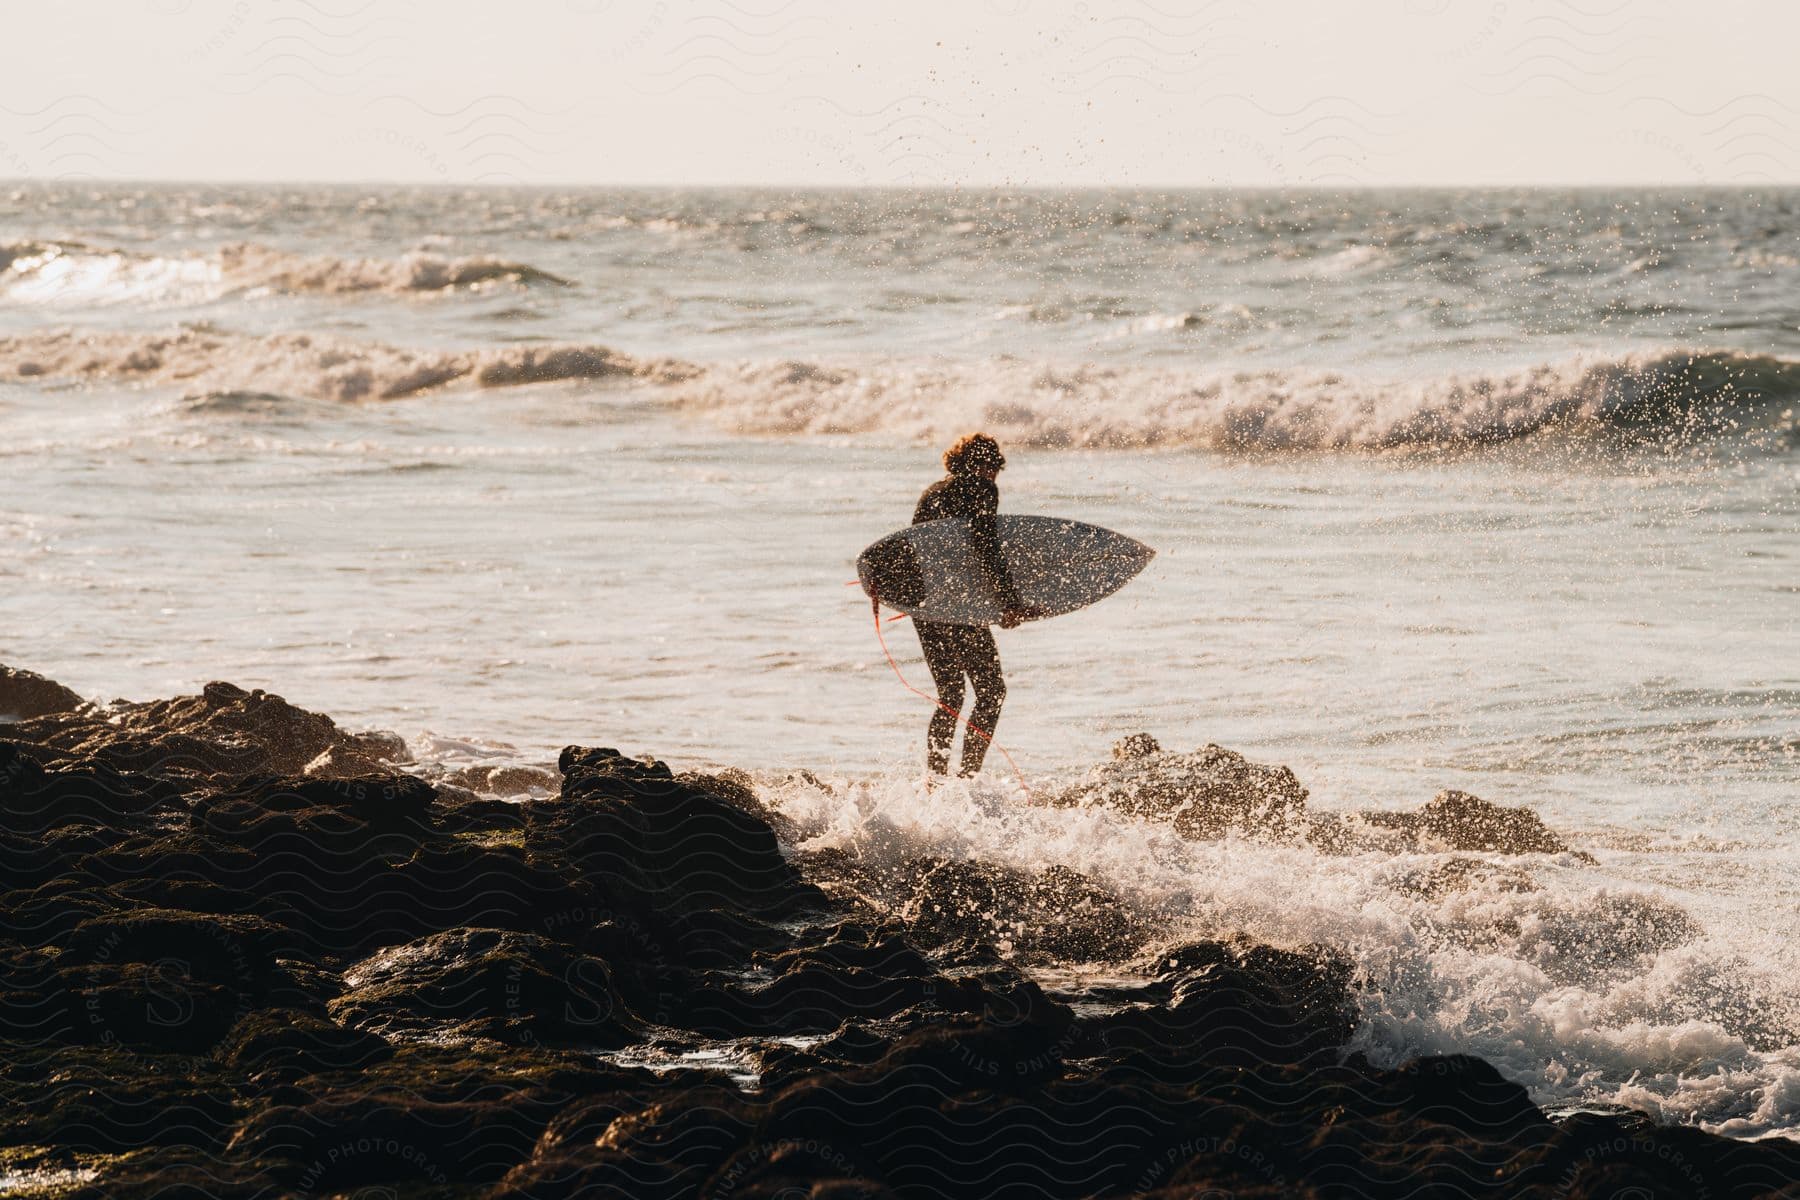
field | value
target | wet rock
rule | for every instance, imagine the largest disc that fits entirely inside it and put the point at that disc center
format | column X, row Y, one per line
column 36, row 797
column 488, row 983
column 111, row 1099
column 346, row 1141
column 237, row 952
column 377, row 803
column 236, row 959
column 300, row 1042
column 667, row 1149
column 450, row 885
column 1467, row 1093
column 1454, row 875
column 1204, row 794
column 1459, row 821
column 696, row 865
column 1056, row 913
column 981, row 1052
column 48, row 913
column 26, row 694
column 1451, row 821
column 1138, row 745
column 1234, row 1004
column 222, row 734
column 149, row 1006
column 915, row 1129
column 847, row 972
column 736, row 789
column 459, row 812
column 181, row 854
column 29, row 860
column 144, row 1173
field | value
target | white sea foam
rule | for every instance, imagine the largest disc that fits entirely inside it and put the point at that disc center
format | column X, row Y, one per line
column 1675, row 392
column 1678, row 394
column 205, row 360
column 71, row 273
column 1579, row 987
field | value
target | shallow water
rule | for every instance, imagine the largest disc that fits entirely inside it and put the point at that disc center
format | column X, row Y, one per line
column 1443, row 490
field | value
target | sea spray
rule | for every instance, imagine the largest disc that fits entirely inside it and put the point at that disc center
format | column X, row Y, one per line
column 1582, row 987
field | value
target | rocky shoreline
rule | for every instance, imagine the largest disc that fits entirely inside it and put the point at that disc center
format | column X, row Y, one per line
column 245, row 953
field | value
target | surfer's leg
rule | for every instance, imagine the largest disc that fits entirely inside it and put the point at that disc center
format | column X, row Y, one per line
column 981, row 659
column 945, row 664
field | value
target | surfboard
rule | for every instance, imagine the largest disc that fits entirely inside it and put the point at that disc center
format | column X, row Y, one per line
column 930, row 571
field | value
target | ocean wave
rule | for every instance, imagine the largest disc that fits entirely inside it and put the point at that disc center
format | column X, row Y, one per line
column 73, row 272
column 247, row 265
column 208, row 361
column 1669, row 395
column 1585, row 990
column 1664, row 394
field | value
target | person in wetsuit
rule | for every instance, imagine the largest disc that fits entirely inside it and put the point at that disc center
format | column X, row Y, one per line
column 954, row 653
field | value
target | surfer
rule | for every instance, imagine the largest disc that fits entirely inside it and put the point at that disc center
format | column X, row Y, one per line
column 954, row 653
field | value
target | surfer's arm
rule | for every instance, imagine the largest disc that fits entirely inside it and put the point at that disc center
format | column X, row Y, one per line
column 984, row 532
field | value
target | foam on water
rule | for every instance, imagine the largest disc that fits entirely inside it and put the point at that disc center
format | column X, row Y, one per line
column 1676, row 395
column 322, row 366
column 1578, row 984
column 1673, row 393
column 70, row 274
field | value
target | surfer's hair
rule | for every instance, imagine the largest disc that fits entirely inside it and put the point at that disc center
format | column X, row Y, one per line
column 975, row 452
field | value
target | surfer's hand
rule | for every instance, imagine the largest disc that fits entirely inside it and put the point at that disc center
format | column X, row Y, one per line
column 1012, row 618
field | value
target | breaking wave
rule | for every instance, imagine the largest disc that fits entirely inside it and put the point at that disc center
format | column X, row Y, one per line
column 316, row 366
column 1583, row 987
column 72, row 272
column 1675, row 396
column 1671, row 393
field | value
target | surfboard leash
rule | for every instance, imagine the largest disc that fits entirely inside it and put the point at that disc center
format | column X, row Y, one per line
column 970, row 726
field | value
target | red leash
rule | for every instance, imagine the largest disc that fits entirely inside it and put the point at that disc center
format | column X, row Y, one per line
column 875, row 607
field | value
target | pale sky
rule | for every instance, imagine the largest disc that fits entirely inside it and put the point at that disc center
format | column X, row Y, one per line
column 969, row 92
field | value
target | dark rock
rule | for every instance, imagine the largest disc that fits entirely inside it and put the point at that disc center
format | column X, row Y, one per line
column 237, row 951
column 48, row 1001
column 50, row 912
column 348, row 1140
column 240, row 956
column 658, row 847
column 1467, row 1093
column 26, row 694
column 35, row 798
column 151, row 1173
column 1234, row 1005
column 223, row 734
column 1138, row 745
column 1053, row 914
column 1459, row 875
column 1458, row 821
column 459, row 813
column 1203, row 795
column 291, row 1039
column 110, row 1099
column 380, row 803
column 664, row 1150
column 490, row 983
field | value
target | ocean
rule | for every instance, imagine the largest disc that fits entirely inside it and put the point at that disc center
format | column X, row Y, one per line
column 1487, row 490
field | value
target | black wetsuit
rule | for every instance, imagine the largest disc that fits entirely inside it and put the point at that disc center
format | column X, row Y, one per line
column 956, row 652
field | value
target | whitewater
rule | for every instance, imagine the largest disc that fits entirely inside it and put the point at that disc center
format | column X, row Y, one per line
column 1490, row 490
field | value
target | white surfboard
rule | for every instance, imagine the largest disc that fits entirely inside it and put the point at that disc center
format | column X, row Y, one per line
column 930, row 571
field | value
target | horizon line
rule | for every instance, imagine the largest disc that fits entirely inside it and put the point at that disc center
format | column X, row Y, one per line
column 650, row 185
